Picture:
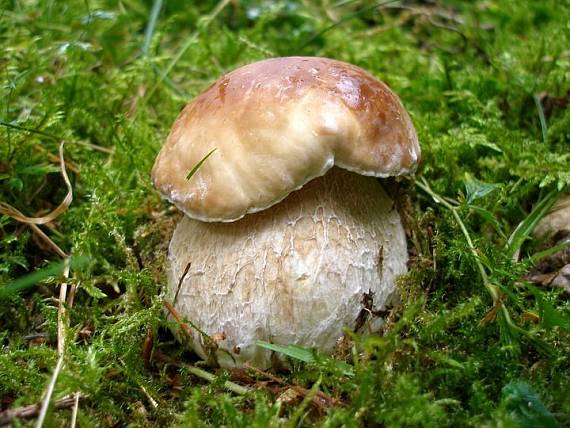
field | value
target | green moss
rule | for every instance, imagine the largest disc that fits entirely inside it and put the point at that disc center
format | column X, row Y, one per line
column 470, row 73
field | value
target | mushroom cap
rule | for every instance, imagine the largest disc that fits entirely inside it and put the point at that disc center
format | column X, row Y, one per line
column 276, row 124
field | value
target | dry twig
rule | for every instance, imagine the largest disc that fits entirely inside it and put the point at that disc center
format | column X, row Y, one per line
column 55, row 159
column 74, row 411
column 33, row 222
column 17, row 215
column 318, row 399
column 178, row 319
column 230, row 386
column 61, row 324
column 25, row 412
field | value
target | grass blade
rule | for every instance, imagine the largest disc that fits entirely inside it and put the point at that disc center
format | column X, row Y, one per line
column 307, row 356
column 550, row 251
column 293, row 351
column 156, row 7
column 345, row 18
column 196, row 167
column 541, row 117
column 525, row 227
column 33, row 278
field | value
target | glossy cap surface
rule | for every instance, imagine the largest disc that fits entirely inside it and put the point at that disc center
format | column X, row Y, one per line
column 274, row 126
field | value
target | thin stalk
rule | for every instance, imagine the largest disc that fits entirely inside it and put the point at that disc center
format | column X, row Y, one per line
column 347, row 17
column 74, row 410
column 541, row 117
column 62, row 321
column 490, row 287
column 25, row 412
column 151, row 25
column 230, row 386
column 49, row 392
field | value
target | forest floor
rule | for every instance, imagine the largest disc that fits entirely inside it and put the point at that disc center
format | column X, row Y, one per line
column 482, row 335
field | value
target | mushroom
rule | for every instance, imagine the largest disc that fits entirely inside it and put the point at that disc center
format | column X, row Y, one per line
column 288, row 237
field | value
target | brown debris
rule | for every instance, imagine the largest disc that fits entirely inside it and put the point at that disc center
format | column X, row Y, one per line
column 554, row 270
column 559, row 278
column 26, row 412
column 185, row 329
column 530, row 316
column 293, row 394
column 219, row 336
column 491, row 315
column 551, row 103
column 148, row 344
column 86, row 331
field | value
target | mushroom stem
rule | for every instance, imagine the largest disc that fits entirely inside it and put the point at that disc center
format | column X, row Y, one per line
column 325, row 258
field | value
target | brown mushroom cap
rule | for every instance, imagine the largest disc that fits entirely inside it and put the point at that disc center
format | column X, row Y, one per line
column 275, row 125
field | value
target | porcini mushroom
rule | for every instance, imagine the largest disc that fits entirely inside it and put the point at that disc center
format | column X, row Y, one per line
column 277, row 244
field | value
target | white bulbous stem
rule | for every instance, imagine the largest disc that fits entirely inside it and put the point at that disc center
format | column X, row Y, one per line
column 297, row 273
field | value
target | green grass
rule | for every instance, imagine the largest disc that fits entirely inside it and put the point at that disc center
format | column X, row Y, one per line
column 487, row 84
